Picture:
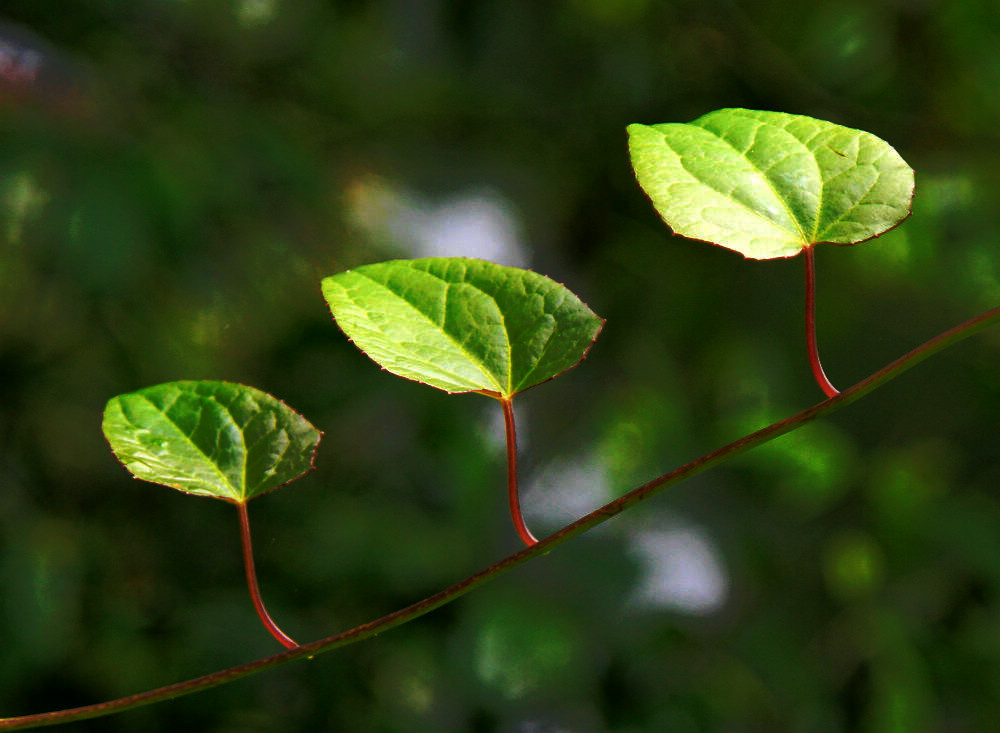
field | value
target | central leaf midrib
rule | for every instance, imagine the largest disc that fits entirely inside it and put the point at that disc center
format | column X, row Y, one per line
column 279, row 427
column 503, row 324
column 243, row 441
column 215, row 466
column 506, row 338
column 539, row 358
column 479, row 364
column 781, row 199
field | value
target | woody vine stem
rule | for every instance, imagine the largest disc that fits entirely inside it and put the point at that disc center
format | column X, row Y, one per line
column 403, row 615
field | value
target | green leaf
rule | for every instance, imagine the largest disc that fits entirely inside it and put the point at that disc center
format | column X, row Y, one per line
column 210, row 438
column 769, row 184
column 462, row 325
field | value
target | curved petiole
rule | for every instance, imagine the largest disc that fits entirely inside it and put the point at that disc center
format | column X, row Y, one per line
column 817, row 368
column 258, row 602
column 513, row 497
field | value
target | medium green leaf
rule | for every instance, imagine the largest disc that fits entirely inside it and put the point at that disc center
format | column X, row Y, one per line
column 210, row 438
column 769, row 184
column 462, row 325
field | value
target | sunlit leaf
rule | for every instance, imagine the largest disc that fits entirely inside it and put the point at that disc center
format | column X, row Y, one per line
column 210, row 438
column 462, row 325
column 768, row 184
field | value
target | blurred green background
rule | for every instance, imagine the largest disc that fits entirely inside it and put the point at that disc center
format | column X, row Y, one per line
column 176, row 177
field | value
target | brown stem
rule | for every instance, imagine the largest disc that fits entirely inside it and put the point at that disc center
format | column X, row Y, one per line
column 817, row 368
column 459, row 589
column 258, row 603
column 512, row 491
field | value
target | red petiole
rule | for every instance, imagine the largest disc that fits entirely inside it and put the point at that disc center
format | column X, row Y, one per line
column 817, row 368
column 258, row 604
column 512, row 491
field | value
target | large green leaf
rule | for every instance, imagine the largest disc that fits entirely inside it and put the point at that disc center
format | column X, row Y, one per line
column 210, row 438
column 462, row 325
column 768, row 184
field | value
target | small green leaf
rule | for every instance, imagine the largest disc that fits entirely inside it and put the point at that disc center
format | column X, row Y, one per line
column 210, row 438
column 462, row 325
column 769, row 184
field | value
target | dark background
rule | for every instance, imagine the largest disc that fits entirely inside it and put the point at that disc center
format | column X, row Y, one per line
column 176, row 178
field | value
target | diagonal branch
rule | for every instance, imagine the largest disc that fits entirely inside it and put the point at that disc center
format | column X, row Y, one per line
column 403, row 615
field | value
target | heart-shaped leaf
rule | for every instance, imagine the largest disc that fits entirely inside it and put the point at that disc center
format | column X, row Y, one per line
column 462, row 325
column 769, row 184
column 216, row 439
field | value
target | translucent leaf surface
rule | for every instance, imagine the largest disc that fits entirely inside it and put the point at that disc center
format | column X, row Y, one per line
column 768, row 184
column 210, row 438
column 462, row 325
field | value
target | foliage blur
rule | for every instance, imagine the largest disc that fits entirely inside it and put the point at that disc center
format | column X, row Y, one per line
column 177, row 176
